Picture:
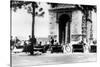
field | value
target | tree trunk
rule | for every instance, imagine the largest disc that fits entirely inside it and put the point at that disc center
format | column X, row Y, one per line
column 33, row 21
column 33, row 18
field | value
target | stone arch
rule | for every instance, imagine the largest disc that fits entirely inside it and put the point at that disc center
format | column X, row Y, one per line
column 63, row 20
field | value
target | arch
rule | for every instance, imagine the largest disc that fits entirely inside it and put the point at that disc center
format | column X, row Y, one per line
column 63, row 20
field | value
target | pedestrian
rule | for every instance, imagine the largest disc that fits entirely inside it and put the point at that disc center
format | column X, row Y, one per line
column 32, row 42
column 16, row 39
column 12, row 42
column 55, row 42
column 40, row 43
column 25, row 47
column 17, row 42
column 52, row 41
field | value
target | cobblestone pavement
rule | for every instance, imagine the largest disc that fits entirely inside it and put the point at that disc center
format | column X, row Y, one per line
column 25, row 60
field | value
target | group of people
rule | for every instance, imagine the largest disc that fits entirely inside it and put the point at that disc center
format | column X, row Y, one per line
column 28, row 45
column 14, row 42
column 53, row 42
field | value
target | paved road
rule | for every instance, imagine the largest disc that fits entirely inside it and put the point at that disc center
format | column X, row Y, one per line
column 25, row 60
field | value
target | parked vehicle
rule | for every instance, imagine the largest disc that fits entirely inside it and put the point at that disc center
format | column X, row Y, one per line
column 93, row 48
column 39, row 48
column 19, row 45
column 56, row 48
column 77, row 48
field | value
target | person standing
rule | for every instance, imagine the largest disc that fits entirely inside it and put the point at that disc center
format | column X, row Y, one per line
column 17, row 42
column 52, row 41
column 32, row 42
column 25, row 47
column 12, row 43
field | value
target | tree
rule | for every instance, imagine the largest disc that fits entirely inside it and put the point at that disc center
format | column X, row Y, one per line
column 16, row 4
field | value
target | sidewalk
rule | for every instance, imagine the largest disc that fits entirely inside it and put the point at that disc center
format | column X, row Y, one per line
column 25, row 60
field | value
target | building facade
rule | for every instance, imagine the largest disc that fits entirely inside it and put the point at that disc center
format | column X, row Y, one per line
column 68, row 24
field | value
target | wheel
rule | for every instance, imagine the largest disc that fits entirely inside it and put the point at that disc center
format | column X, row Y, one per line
column 51, row 51
column 62, row 51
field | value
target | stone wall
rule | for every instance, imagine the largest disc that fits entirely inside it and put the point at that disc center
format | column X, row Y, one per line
column 76, row 25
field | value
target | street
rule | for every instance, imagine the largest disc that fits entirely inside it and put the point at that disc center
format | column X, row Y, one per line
column 25, row 60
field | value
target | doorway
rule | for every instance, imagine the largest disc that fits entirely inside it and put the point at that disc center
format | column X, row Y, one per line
column 64, row 20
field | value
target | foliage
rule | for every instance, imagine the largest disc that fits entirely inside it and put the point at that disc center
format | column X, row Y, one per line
column 30, row 6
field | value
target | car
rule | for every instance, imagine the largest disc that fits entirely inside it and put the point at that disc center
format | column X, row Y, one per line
column 56, row 48
column 77, row 48
column 39, row 48
column 93, row 48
